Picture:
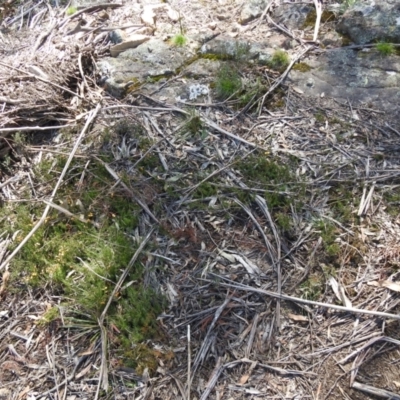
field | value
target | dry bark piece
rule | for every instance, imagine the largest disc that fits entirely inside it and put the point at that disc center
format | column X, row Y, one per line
column 130, row 43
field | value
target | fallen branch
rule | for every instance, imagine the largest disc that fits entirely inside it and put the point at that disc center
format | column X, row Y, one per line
column 375, row 391
column 33, row 128
column 240, row 286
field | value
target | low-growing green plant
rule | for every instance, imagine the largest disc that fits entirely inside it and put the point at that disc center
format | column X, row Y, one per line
column 206, row 189
column 71, row 10
column 311, row 289
column 265, row 172
column 228, row 82
column 49, row 316
column 179, row 40
column 280, row 60
column 327, row 230
column 242, row 52
column 385, row 49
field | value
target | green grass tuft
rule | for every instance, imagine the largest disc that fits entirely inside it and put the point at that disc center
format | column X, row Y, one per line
column 228, row 82
column 385, row 49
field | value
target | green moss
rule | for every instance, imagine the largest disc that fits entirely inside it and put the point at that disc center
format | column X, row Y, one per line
column 264, row 170
column 320, row 117
column 49, row 316
column 328, row 232
column 283, row 221
column 280, row 60
column 312, row 288
column 193, row 125
column 392, row 201
column 149, row 162
column 140, row 322
column 82, row 257
column 275, row 177
column 302, row 67
column 140, row 357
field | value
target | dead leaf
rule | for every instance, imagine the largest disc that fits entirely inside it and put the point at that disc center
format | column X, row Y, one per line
column 300, row 318
column 243, row 379
column 386, row 284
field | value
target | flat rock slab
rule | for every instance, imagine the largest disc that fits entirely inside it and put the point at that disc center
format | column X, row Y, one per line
column 292, row 15
column 225, row 47
column 152, row 59
column 362, row 77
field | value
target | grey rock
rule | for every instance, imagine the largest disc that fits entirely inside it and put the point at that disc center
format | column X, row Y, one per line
column 371, row 20
column 357, row 76
column 226, row 47
column 202, row 68
column 117, row 36
column 252, row 10
column 292, row 15
column 152, row 59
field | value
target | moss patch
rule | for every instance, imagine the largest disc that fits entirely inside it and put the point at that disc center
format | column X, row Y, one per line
column 84, row 246
column 280, row 60
column 302, row 67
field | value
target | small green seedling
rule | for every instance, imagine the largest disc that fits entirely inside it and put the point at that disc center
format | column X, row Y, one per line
column 179, row 40
column 71, row 10
column 386, row 49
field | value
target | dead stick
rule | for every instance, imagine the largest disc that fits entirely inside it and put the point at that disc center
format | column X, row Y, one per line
column 318, row 10
column 375, row 391
column 304, row 301
column 33, row 128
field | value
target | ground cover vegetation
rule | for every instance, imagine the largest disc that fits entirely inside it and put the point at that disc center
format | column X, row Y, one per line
column 293, row 196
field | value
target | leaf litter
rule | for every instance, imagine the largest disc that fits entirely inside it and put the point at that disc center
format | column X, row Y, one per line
column 277, row 288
